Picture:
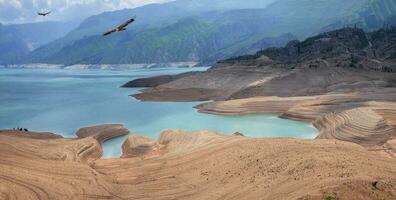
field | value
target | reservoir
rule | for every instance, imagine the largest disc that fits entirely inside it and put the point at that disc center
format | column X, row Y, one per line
column 61, row 101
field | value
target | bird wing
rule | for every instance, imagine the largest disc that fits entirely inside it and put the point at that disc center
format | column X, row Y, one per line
column 109, row 32
column 125, row 23
column 44, row 14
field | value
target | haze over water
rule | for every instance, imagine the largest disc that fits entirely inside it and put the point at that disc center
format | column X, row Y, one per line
column 62, row 101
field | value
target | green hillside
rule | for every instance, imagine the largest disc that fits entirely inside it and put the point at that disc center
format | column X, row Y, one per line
column 200, row 36
column 148, row 16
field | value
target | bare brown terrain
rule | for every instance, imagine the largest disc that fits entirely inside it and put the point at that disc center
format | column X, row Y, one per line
column 198, row 165
column 342, row 117
column 355, row 105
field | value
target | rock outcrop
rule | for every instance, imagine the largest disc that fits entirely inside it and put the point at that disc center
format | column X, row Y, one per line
column 102, row 132
column 155, row 81
column 139, row 146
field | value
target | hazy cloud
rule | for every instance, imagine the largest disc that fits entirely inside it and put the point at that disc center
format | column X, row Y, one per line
column 19, row 11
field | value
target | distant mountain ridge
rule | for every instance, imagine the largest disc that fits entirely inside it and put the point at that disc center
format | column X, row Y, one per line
column 373, row 15
column 188, row 39
column 203, row 31
column 41, row 33
column 17, row 40
column 12, row 46
column 191, row 30
column 148, row 17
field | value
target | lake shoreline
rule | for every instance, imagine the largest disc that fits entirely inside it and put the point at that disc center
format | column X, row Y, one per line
column 179, row 159
column 187, row 64
column 62, row 101
column 333, row 99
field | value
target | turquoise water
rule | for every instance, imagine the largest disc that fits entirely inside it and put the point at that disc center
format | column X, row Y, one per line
column 61, row 101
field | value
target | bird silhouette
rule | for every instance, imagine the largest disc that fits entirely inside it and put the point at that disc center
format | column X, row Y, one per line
column 44, row 14
column 119, row 28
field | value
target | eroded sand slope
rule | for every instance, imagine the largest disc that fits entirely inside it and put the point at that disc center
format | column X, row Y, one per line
column 348, row 117
column 198, row 165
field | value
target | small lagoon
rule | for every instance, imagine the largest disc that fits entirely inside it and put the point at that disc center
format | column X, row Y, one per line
column 62, row 101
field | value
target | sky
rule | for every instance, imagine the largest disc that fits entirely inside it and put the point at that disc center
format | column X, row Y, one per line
column 23, row 11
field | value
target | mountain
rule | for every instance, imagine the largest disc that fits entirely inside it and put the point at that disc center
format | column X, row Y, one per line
column 17, row 40
column 148, row 16
column 347, row 47
column 191, row 38
column 242, row 48
column 41, row 33
column 12, row 46
column 153, row 15
column 373, row 15
column 191, row 30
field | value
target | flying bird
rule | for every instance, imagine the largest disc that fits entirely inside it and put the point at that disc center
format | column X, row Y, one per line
column 44, row 14
column 120, row 28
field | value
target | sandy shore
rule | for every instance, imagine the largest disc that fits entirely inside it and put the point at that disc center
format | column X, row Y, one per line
column 198, row 165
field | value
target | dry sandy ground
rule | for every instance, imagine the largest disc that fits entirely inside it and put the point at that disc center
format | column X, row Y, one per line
column 181, row 165
column 237, row 82
column 352, row 117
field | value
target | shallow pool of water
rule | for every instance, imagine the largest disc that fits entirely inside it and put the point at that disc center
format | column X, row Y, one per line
column 62, row 101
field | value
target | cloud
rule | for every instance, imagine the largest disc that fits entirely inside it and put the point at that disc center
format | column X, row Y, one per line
column 21, row 11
